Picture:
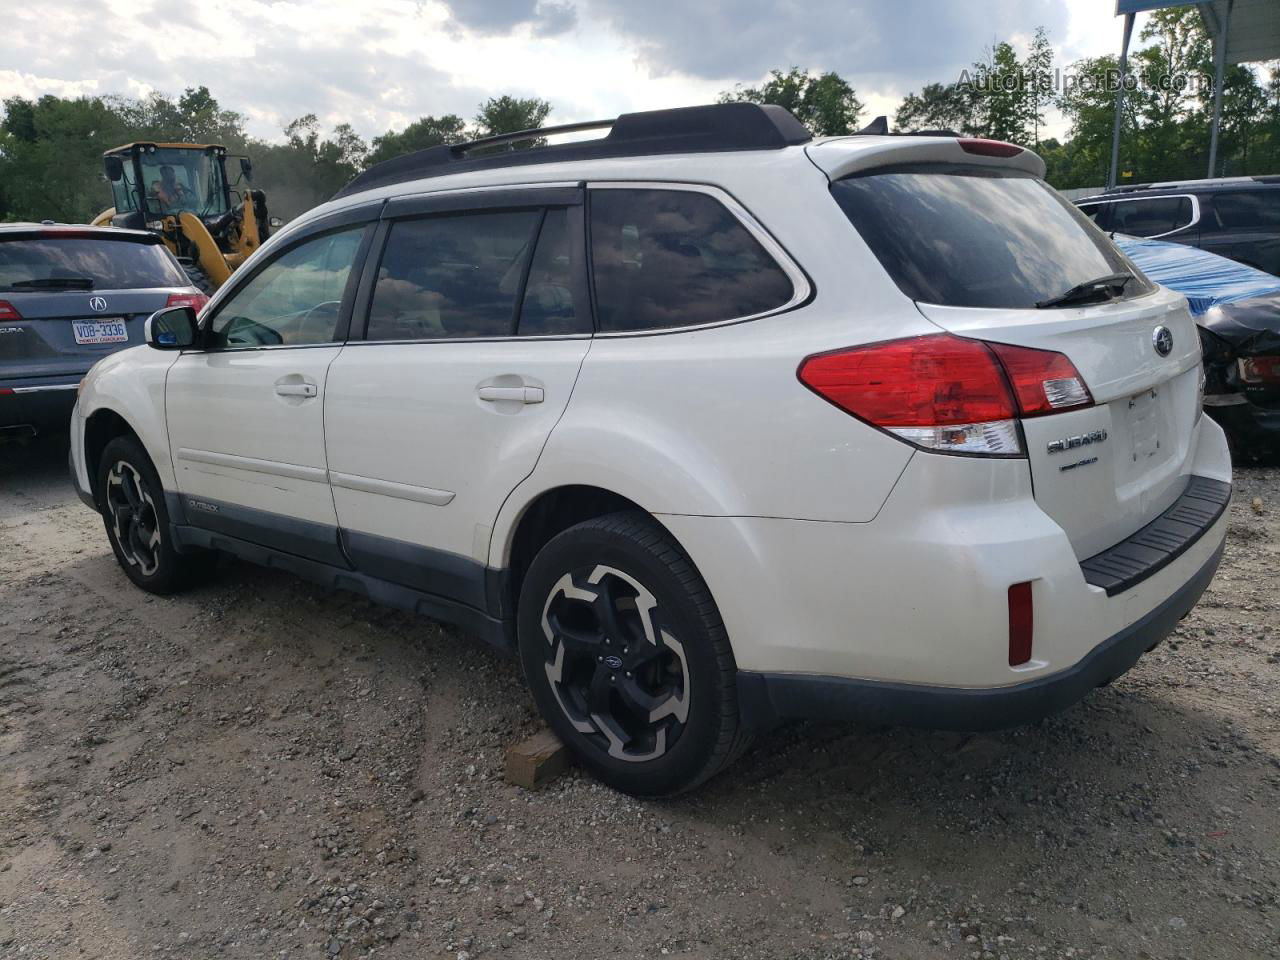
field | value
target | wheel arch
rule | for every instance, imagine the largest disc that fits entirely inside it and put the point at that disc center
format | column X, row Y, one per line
column 100, row 428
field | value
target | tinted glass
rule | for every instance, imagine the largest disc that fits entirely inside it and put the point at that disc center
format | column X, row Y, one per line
column 673, row 258
column 1094, row 211
column 292, row 301
column 1148, row 218
column 102, row 264
column 549, row 306
column 1257, row 208
column 452, row 276
column 976, row 237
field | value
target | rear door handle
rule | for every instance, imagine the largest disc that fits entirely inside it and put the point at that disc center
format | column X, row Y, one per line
column 296, row 389
column 518, row 394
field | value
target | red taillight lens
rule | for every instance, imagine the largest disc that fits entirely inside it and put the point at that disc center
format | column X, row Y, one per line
column 8, row 311
column 1044, row 381
column 195, row 301
column 988, row 148
column 1258, row 370
column 944, row 392
column 1021, row 624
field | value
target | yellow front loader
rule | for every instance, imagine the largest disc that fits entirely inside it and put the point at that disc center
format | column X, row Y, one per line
column 181, row 191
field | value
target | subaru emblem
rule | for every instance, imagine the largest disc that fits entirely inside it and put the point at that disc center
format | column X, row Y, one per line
column 1162, row 340
column 613, row 663
column 97, row 304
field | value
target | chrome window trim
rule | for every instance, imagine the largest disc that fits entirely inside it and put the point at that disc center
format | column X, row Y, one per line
column 1195, row 209
column 801, row 288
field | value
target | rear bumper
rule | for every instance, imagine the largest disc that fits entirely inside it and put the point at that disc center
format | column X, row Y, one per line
column 767, row 698
column 42, row 405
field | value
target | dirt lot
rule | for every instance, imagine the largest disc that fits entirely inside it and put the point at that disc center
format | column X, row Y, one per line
column 261, row 768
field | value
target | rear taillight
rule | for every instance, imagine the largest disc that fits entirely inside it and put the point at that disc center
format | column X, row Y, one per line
column 195, row 301
column 1044, row 381
column 8, row 311
column 1260, row 370
column 947, row 393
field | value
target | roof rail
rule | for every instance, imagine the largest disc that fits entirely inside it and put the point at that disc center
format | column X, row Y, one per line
column 705, row 129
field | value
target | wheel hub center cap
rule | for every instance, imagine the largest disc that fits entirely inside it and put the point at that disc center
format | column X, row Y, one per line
column 612, row 662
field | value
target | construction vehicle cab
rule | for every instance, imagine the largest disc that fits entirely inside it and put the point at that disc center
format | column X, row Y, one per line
column 182, row 192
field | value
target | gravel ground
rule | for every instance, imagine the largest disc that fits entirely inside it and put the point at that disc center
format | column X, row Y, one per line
column 261, row 768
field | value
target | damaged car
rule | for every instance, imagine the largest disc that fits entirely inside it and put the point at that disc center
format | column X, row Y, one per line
column 1237, row 309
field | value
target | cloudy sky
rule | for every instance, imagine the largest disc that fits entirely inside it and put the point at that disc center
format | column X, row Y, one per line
column 380, row 64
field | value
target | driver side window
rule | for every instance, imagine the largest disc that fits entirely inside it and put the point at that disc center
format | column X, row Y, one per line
column 293, row 301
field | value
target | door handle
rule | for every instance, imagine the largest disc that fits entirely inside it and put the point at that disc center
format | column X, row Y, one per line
column 518, row 394
column 296, row 389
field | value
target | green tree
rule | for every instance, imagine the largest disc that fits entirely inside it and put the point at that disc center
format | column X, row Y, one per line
column 507, row 114
column 1037, row 72
column 939, row 107
column 827, row 104
column 422, row 133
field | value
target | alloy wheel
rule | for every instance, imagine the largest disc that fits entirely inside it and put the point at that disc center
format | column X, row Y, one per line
column 616, row 670
column 133, row 518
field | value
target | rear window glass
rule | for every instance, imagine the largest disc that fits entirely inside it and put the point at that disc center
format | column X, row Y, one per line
column 976, row 237
column 675, row 258
column 84, row 263
column 1256, row 208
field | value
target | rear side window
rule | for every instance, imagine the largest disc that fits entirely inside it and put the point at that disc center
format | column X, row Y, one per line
column 84, row 263
column 976, row 236
column 1150, row 218
column 675, row 258
column 453, row 276
column 1095, row 212
column 1256, row 208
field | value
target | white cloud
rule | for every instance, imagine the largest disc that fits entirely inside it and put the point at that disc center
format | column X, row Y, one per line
column 383, row 63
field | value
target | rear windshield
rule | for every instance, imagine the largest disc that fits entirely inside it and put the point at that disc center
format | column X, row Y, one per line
column 34, row 263
column 977, row 236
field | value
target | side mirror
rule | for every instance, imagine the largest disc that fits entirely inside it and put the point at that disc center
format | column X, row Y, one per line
column 113, row 167
column 173, row 328
column 246, row 167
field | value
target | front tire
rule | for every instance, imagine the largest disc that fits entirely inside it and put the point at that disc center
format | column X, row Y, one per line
column 137, row 522
column 627, row 657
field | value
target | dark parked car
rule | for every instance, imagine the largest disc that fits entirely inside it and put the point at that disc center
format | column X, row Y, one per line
column 1234, row 217
column 1237, row 309
column 70, row 295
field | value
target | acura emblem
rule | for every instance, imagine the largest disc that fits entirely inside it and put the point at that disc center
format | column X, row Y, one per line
column 98, row 304
column 1162, row 340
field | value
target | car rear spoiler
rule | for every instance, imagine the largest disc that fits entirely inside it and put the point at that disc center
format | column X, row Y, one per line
column 843, row 156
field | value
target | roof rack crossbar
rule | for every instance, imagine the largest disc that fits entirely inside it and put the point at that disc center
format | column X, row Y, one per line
column 461, row 149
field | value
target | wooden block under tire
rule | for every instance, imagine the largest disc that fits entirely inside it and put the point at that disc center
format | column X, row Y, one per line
column 537, row 761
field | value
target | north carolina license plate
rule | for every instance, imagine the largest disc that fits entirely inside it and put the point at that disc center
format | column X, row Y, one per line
column 100, row 331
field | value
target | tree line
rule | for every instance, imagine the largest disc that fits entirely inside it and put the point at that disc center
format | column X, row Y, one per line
column 51, row 147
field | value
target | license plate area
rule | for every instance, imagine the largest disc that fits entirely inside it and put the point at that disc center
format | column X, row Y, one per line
column 1145, row 421
column 90, row 332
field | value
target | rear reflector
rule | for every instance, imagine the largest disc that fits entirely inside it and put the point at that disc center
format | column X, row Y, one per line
column 947, row 393
column 1020, row 624
column 988, row 148
column 195, row 301
column 8, row 311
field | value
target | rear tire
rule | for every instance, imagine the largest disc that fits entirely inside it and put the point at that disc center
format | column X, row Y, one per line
column 627, row 657
column 137, row 521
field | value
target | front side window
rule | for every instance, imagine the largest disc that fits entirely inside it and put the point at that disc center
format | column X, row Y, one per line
column 676, row 258
column 1150, row 218
column 452, row 276
column 294, row 300
column 976, row 236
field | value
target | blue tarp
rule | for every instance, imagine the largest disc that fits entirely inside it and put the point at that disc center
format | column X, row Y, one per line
column 1205, row 279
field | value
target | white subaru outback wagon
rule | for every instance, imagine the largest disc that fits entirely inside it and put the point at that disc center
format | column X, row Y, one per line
column 714, row 423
